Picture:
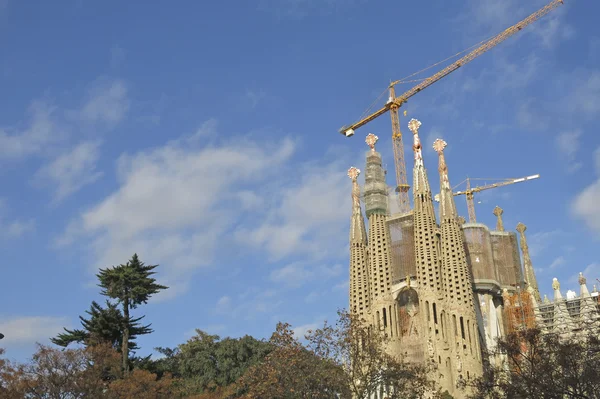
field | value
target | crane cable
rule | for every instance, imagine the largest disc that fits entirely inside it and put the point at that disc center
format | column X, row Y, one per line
column 403, row 80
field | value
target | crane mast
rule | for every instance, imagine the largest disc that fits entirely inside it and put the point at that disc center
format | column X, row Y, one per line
column 401, row 179
column 394, row 103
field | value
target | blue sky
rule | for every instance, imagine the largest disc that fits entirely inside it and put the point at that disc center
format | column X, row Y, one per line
column 204, row 138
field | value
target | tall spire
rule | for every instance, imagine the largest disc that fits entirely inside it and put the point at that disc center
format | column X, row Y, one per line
column 456, row 275
column 447, row 205
column 425, row 224
column 359, row 268
column 530, row 279
column 454, row 259
column 380, row 265
column 358, row 232
column 498, row 213
column 375, row 185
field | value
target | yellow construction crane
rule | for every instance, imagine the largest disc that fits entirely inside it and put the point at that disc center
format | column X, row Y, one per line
column 469, row 192
column 394, row 103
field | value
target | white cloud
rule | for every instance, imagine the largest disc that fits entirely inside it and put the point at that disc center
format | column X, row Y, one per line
column 301, row 331
column 567, row 144
column 492, row 17
column 306, row 217
column 343, row 286
column 584, row 88
column 176, row 203
column 590, row 272
column 18, row 228
column 254, row 97
column 539, row 241
column 71, row 171
column 556, row 263
column 28, row 330
column 42, row 131
column 586, row 206
column 294, row 274
column 107, row 103
column 223, row 304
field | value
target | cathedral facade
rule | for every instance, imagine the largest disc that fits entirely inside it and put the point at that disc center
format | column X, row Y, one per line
column 434, row 284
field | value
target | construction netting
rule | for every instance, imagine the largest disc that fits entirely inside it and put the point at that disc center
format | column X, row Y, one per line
column 506, row 258
column 479, row 251
column 403, row 246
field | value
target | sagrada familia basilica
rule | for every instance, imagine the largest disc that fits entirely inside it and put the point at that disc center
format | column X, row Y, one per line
column 441, row 289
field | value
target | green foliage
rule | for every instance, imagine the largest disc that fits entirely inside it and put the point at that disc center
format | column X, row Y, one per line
column 205, row 362
column 103, row 326
column 131, row 283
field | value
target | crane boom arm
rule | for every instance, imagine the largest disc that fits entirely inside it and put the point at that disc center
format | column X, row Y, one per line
column 398, row 101
column 494, row 185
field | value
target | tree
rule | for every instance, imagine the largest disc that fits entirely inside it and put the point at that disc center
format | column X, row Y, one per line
column 292, row 371
column 90, row 372
column 103, row 326
column 542, row 366
column 360, row 351
column 71, row 373
column 207, row 363
column 131, row 285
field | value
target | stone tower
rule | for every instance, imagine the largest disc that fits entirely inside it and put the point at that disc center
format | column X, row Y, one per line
column 359, row 266
column 530, row 279
column 429, row 277
column 460, row 324
column 380, row 265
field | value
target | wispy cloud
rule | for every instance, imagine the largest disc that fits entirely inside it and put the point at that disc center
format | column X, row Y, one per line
column 567, row 145
column 107, row 102
column 585, row 205
column 175, row 204
column 42, row 130
column 28, row 330
column 71, row 171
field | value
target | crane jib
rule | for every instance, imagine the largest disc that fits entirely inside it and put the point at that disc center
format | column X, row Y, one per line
column 349, row 130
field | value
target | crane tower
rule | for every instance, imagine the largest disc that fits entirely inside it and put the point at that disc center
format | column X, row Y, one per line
column 394, row 103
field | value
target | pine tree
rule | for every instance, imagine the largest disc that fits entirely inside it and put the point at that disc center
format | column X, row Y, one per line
column 131, row 285
column 103, row 326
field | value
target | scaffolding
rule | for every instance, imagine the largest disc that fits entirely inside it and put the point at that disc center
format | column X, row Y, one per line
column 519, row 313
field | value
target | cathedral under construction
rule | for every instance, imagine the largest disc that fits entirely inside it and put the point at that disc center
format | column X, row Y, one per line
column 441, row 289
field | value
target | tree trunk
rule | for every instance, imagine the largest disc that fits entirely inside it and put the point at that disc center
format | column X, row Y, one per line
column 125, row 346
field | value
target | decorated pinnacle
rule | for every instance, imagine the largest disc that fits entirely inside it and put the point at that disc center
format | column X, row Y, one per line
column 353, row 173
column 371, row 140
column 461, row 220
column 439, row 145
column 521, row 228
column 555, row 284
column 498, row 213
column 582, row 279
column 414, row 125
